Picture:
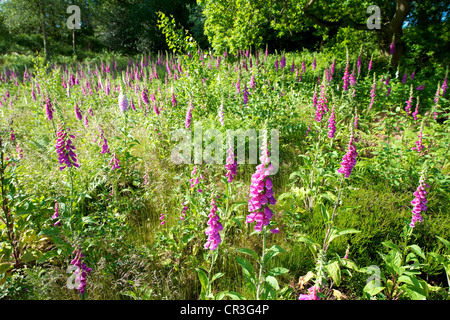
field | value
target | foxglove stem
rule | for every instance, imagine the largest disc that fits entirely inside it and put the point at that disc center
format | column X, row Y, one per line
column 329, row 224
column 261, row 265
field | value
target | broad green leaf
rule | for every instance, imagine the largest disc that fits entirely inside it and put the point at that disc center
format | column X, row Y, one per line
column 203, row 278
column 249, row 252
column 334, row 271
column 372, row 289
column 417, row 250
column 446, row 242
column 339, row 233
column 272, row 252
column 217, row 276
column 4, row 267
column 391, row 246
column 277, row 271
column 235, row 296
column 247, row 266
column 272, row 281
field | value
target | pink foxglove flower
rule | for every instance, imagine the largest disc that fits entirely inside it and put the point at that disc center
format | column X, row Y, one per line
column 114, row 163
column 349, row 159
column 419, row 202
column 332, row 124
column 419, row 146
column 188, row 116
column 312, row 294
column 261, row 193
column 214, row 227
column 416, row 112
column 65, row 149
column 81, row 272
column 231, row 165
column 123, row 102
column 409, row 102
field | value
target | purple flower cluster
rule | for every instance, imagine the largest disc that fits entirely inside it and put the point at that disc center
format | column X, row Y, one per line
column 332, row 124
column 444, row 85
column 346, row 76
column 123, row 102
column 77, row 111
column 322, row 104
column 185, row 208
column 419, row 202
column 231, row 165
column 103, row 142
column 174, row 100
column 114, row 163
column 416, row 112
column 214, row 228
column 408, row 103
column 81, row 272
column 349, row 159
column 261, row 193
column 419, row 146
column 64, row 148
column 195, row 180
column 312, row 294
column 188, row 116
column 372, row 93
column 48, row 108
column 56, row 214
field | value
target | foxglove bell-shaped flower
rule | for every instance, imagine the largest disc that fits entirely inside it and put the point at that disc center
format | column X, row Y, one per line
column 261, row 193
column 419, row 202
column 123, row 102
column 65, row 149
column 214, row 227
column 349, row 159
column 231, row 165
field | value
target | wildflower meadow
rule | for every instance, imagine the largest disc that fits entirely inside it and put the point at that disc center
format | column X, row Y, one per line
column 253, row 174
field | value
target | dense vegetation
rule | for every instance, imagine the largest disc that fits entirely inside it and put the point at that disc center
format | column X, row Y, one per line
column 95, row 205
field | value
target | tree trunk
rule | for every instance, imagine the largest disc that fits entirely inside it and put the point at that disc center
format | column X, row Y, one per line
column 44, row 34
column 44, row 30
column 384, row 35
column 394, row 29
column 74, row 45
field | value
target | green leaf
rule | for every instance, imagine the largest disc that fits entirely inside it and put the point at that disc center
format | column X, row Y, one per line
column 417, row 250
column 334, row 271
column 249, row 252
column 308, row 241
column 272, row 281
column 372, row 289
column 235, row 296
column 203, row 281
column 325, row 214
column 446, row 242
column 272, row 252
column 217, row 276
column 50, row 231
column 47, row 256
column 247, row 266
column 391, row 246
column 277, row 271
column 4, row 267
column 335, row 234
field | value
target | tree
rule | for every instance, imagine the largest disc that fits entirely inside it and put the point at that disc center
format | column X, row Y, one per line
column 238, row 23
column 31, row 16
